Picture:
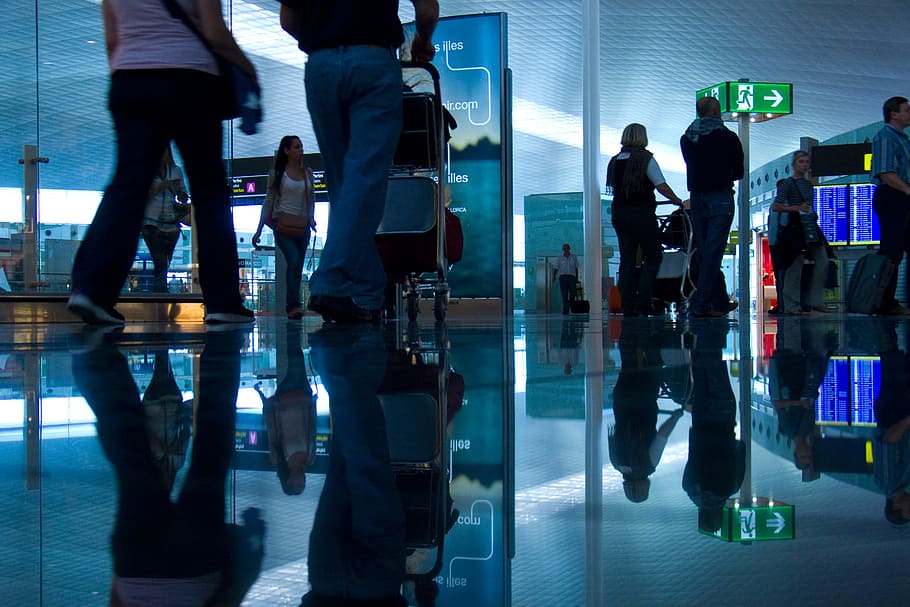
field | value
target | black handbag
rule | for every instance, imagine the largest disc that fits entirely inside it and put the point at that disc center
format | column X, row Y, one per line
column 241, row 97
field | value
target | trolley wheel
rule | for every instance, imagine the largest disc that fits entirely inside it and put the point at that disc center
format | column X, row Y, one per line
column 440, row 304
column 413, row 306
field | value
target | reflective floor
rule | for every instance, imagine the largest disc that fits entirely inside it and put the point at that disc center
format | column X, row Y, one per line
column 542, row 460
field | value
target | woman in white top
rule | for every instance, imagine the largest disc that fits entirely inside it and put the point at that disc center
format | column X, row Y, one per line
column 165, row 210
column 288, row 210
column 164, row 87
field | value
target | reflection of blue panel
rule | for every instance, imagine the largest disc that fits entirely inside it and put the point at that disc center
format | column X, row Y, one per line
column 831, row 206
column 866, row 373
column 864, row 228
column 833, row 403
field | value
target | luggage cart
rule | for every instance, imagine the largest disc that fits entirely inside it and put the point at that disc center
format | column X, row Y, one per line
column 675, row 282
column 412, row 235
column 413, row 395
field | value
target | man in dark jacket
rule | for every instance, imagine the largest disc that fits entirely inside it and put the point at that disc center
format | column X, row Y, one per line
column 714, row 160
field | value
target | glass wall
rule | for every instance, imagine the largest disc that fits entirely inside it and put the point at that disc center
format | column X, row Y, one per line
column 53, row 93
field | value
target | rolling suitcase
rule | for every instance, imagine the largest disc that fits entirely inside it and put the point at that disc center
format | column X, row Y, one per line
column 868, row 282
column 580, row 306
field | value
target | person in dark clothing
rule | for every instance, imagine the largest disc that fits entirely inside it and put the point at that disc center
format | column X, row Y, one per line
column 796, row 371
column 164, row 87
column 635, row 442
column 714, row 161
column 891, row 444
column 633, row 175
column 354, row 96
column 162, row 549
column 357, row 545
column 891, row 201
column 717, row 459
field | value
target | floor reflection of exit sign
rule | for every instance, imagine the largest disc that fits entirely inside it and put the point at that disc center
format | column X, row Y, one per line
column 765, row 520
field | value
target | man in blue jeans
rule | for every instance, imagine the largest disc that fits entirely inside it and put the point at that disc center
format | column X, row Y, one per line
column 714, row 160
column 354, row 90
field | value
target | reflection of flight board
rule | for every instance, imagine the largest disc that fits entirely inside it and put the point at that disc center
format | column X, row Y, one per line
column 847, row 394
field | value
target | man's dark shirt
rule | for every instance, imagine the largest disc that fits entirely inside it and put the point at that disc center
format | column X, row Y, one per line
column 714, row 163
column 333, row 23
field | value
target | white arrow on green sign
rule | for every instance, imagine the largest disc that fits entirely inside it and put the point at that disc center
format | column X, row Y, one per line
column 751, row 97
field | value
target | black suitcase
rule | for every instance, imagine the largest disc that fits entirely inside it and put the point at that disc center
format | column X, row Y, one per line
column 868, row 282
column 580, row 306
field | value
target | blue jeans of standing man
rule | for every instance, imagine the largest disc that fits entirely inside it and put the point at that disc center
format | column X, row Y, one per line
column 354, row 98
column 712, row 215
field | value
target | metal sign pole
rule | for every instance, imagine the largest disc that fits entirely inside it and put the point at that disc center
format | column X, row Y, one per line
column 745, row 313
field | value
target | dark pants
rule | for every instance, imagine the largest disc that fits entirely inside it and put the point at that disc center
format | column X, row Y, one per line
column 153, row 536
column 893, row 209
column 149, row 109
column 712, row 215
column 294, row 251
column 636, row 227
column 357, row 540
column 567, row 290
column 161, row 247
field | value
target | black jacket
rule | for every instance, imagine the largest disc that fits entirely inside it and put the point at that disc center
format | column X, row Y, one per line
column 714, row 163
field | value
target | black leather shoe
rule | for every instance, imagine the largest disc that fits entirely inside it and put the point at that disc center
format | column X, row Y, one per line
column 339, row 309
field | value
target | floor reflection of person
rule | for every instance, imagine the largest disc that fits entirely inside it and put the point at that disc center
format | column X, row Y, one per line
column 290, row 420
column 357, row 545
column 169, row 419
column 796, row 371
column 165, row 209
column 891, row 446
column 569, row 353
column 717, row 459
column 635, row 442
column 173, row 552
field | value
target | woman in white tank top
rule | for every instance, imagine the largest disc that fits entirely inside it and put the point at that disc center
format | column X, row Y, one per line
column 288, row 210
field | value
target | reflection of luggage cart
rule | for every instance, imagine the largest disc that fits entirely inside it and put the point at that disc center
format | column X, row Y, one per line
column 675, row 280
column 413, row 395
column 412, row 235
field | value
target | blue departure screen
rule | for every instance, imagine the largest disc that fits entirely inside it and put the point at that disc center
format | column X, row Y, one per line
column 866, row 373
column 831, row 206
column 833, row 403
column 864, row 228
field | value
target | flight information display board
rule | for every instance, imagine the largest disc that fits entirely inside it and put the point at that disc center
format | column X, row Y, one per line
column 847, row 394
column 866, row 375
column 831, row 206
column 833, row 403
column 864, row 228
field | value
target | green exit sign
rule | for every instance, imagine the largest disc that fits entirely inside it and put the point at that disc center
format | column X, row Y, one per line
column 763, row 521
column 762, row 100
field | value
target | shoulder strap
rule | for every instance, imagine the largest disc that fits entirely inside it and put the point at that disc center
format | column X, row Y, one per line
column 177, row 12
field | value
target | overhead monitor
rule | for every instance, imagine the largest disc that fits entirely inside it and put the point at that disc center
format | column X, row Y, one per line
column 864, row 228
column 831, row 206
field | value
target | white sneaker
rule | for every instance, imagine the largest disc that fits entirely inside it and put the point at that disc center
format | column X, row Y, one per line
column 237, row 316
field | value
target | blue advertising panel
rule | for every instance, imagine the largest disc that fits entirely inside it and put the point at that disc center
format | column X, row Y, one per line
column 831, row 206
column 864, row 228
column 471, row 59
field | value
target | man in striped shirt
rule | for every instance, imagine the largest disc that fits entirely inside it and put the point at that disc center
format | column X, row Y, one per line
column 891, row 173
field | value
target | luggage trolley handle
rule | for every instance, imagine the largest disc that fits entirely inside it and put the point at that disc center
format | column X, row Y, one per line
column 442, row 269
